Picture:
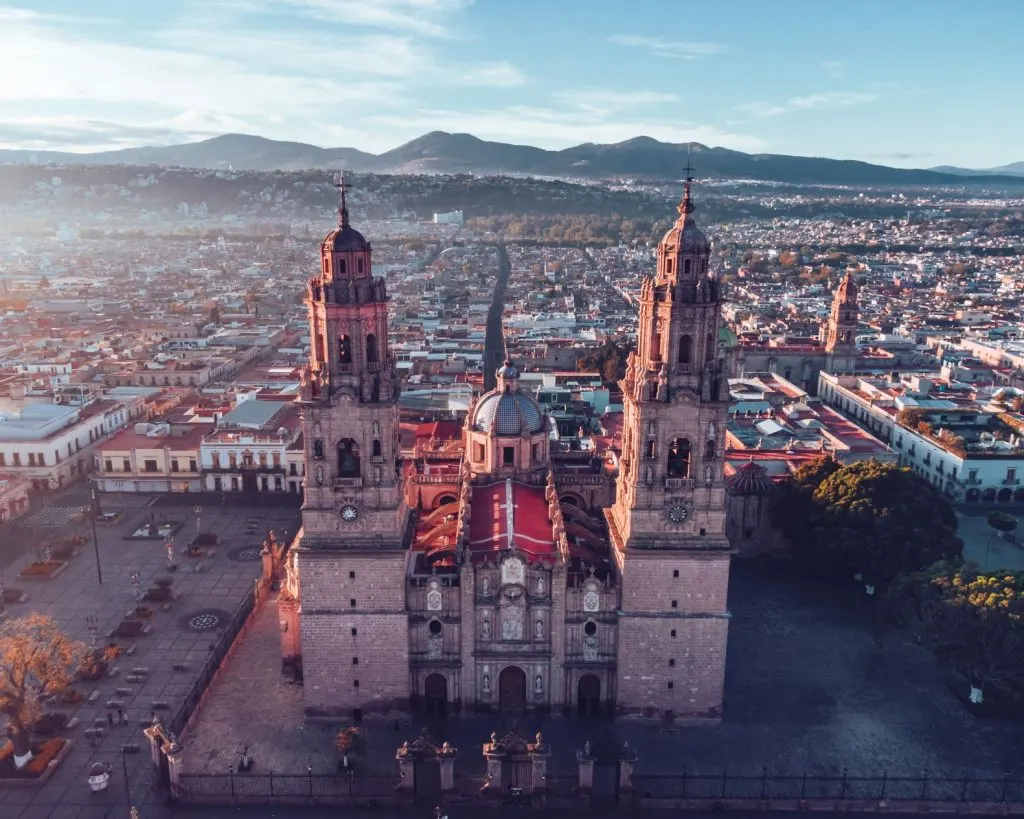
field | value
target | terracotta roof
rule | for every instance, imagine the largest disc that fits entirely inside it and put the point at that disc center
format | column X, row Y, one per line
column 530, row 532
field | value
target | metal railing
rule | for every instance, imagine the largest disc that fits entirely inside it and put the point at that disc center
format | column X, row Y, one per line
column 767, row 786
column 267, row 788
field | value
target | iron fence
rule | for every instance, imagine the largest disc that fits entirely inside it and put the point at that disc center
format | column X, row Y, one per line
column 270, row 787
column 176, row 724
column 768, row 786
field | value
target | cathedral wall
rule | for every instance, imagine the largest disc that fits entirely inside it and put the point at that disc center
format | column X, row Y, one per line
column 650, row 582
column 354, row 630
column 649, row 684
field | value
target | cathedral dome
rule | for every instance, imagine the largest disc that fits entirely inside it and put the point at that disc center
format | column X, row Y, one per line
column 507, row 414
column 750, row 479
column 345, row 238
column 684, row 235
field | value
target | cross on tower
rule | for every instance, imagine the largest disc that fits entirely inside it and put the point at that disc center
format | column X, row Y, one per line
column 686, row 206
column 342, row 186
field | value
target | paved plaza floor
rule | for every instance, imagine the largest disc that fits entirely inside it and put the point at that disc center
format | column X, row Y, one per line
column 808, row 689
column 181, row 635
column 983, row 546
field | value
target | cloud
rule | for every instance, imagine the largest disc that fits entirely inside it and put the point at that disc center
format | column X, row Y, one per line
column 834, row 68
column 605, row 102
column 829, row 99
column 424, row 17
column 675, row 49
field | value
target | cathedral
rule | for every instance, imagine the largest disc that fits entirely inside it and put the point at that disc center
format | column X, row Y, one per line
column 489, row 569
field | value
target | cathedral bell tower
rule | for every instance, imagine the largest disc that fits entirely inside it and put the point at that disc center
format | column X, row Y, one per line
column 355, row 523
column 841, row 331
column 669, row 517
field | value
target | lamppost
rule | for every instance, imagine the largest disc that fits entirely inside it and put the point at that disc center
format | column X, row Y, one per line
column 94, row 511
column 92, row 623
column 133, row 812
column 169, row 546
column 197, row 510
column 136, row 582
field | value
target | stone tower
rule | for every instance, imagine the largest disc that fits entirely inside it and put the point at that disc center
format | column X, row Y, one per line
column 841, row 331
column 669, row 518
column 355, row 524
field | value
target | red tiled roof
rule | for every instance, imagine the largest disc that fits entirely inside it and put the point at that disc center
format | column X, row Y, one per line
column 531, row 527
column 441, row 430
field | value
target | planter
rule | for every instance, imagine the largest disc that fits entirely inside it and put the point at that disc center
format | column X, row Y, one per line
column 46, row 756
column 13, row 595
column 43, row 570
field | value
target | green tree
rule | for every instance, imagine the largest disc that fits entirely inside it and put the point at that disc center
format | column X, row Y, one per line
column 876, row 520
column 974, row 621
column 349, row 741
column 792, row 506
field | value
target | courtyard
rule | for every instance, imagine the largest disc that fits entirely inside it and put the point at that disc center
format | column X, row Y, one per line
column 158, row 668
column 808, row 690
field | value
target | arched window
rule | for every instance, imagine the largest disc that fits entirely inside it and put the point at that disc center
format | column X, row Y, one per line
column 318, row 449
column 320, row 354
column 679, row 458
column 371, row 348
column 709, row 347
column 668, row 266
column 376, row 448
column 348, row 459
column 344, row 350
column 342, row 267
column 359, row 265
column 686, row 267
column 685, row 349
column 656, row 347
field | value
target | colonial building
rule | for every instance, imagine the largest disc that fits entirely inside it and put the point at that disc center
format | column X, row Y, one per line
column 496, row 569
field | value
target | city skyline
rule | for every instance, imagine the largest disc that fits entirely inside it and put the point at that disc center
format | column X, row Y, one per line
column 845, row 80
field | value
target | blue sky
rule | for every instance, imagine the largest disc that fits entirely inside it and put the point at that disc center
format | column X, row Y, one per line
column 913, row 83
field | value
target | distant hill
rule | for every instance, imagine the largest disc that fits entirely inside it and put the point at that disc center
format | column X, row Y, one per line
column 1013, row 169
column 441, row 152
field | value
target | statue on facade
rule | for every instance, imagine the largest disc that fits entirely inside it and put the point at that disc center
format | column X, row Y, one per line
column 662, row 389
column 485, row 629
column 538, row 630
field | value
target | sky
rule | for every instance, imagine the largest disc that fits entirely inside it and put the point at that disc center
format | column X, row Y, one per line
column 911, row 83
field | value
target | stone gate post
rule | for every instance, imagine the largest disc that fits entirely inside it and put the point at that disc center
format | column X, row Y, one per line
column 586, row 769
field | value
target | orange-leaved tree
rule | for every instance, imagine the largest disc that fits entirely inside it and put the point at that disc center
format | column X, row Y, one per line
column 36, row 660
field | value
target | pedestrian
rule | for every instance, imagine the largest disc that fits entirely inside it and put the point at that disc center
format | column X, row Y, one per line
column 110, row 717
column 120, row 715
column 124, row 718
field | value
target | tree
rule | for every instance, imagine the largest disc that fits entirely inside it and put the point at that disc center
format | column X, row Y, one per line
column 349, row 741
column 36, row 660
column 792, row 506
column 876, row 520
column 973, row 620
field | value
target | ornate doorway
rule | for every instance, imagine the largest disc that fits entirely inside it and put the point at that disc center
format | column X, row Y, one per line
column 588, row 696
column 512, row 690
column 435, row 691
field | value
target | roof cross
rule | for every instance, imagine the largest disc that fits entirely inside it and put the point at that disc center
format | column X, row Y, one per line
column 342, row 186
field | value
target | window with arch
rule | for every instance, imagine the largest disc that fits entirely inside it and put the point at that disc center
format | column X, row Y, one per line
column 668, row 266
column 371, row 348
column 685, row 349
column 679, row 458
column 344, row 350
column 342, row 267
column 709, row 347
column 320, row 354
column 686, row 267
column 359, row 265
column 656, row 347
column 348, row 458
column 376, row 448
column 318, row 450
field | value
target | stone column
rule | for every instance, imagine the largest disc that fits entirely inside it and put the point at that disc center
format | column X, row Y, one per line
column 586, row 769
column 556, row 684
column 406, row 773
column 627, row 761
column 175, row 762
column 288, row 620
column 154, row 734
column 539, row 759
column 447, row 764
column 267, row 556
column 494, row 759
column 467, row 635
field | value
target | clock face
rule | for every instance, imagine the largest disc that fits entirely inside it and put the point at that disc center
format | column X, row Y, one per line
column 677, row 514
column 349, row 513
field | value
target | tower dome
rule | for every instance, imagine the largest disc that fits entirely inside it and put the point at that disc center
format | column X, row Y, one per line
column 506, row 412
column 750, row 479
column 684, row 236
column 344, row 238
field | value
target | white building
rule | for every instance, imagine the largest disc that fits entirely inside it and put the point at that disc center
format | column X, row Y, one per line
column 255, row 448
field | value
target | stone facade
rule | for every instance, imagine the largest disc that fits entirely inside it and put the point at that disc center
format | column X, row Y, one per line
column 489, row 569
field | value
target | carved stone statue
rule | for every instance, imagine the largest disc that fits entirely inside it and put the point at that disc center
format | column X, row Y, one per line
column 487, row 688
column 538, row 684
column 662, row 393
column 485, row 629
column 538, row 630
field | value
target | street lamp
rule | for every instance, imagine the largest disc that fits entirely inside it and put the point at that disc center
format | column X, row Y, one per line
column 94, row 511
column 197, row 510
column 92, row 623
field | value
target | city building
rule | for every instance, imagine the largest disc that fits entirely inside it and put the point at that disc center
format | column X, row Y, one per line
column 514, row 588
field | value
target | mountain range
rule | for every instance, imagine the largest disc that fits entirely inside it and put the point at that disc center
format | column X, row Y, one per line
column 442, row 152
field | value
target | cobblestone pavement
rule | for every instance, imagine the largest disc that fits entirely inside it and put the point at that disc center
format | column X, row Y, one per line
column 808, row 689
column 75, row 595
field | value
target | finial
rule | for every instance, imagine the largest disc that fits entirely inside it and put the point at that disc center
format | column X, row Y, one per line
column 686, row 206
column 342, row 186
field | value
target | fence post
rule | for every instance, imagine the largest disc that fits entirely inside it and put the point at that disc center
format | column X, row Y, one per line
column 842, row 790
column 351, row 775
column 309, row 772
column 885, row 775
column 764, row 782
column 803, row 786
column 924, row 785
column 1006, row 781
column 963, row 793
column 684, row 782
column 231, row 776
column 271, row 775
column 725, row 777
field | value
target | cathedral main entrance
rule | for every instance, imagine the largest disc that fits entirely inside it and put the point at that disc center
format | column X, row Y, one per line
column 588, row 696
column 435, row 693
column 512, row 690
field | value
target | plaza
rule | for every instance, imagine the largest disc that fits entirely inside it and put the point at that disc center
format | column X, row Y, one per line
column 157, row 670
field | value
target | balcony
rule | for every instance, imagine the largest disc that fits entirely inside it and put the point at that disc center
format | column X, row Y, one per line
column 680, row 483
column 1010, row 482
column 579, row 477
column 347, row 483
